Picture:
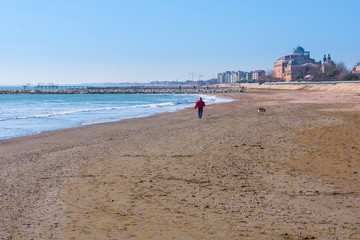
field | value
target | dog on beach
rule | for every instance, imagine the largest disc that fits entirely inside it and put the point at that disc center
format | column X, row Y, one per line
column 261, row 110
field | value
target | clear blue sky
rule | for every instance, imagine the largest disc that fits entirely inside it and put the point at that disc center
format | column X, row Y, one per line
column 88, row 41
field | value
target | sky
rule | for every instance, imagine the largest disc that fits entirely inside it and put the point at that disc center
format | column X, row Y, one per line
column 96, row 41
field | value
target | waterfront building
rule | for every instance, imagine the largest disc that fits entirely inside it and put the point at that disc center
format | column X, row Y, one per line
column 231, row 76
column 224, row 77
column 238, row 76
column 234, row 77
column 249, row 76
column 297, row 64
column 258, row 74
column 220, row 78
column 228, row 76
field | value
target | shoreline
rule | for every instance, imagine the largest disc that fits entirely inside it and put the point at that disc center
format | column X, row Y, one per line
column 215, row 100
column 167, row 176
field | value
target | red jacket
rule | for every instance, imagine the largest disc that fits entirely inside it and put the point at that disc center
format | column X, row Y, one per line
column 200, row 104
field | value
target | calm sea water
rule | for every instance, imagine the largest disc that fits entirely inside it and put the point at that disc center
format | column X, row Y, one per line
column 26, row 114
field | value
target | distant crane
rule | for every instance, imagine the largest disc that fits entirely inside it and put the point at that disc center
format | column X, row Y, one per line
column 200, row 75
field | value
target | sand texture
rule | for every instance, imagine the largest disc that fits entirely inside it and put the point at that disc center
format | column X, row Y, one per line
column 290, row 173
column 347, row 87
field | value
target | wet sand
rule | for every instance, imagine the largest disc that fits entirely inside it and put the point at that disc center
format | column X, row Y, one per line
column 291, row 173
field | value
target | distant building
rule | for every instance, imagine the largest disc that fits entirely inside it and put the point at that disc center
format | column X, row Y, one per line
column 356, row 69
column 242, row 75
column 220, row 78
column 234, row 77
column 327, row 65
column 224, row 77
column 231, row 76
column 249, row 76
column 298, row 63
column 258, row 74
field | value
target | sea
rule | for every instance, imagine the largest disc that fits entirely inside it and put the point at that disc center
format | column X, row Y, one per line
column 26, row 114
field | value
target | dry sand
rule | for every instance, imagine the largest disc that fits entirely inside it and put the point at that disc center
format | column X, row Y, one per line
column 291, row 173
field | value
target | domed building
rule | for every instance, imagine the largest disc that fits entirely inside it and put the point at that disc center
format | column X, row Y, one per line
column 298, row 63
column 327, row 65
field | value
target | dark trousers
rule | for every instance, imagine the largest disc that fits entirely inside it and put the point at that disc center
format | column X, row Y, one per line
column 200, row 110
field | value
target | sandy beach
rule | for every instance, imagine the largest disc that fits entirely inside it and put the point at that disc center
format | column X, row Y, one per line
column 290, row 173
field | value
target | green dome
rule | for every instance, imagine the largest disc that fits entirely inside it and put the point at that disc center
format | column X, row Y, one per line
column 299, row 49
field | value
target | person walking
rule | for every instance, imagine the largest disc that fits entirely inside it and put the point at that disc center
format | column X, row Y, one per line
column 200, row 105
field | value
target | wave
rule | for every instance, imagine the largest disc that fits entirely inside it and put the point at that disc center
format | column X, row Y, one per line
column 211, row 99
column 99, row 109
column 18, row 129
column 25, row 131
column 28, row 117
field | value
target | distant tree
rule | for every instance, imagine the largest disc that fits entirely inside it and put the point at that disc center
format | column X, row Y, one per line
column 269, row 76
column 343, row 71
column 261, row 81
column 338, row 73
column 320, row 77
column 351, row 77
column 212, row 81
column 341, row 67
column 299, row 77
column 333, row 73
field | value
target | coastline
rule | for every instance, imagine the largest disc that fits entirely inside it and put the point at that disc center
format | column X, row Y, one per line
column 39, row 113
column 211, row 89
column 228, row 175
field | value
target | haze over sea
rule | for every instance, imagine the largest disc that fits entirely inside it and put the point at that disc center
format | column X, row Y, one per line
column 25, row 114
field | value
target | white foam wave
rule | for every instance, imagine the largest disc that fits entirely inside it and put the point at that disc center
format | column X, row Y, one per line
column 84, row 110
